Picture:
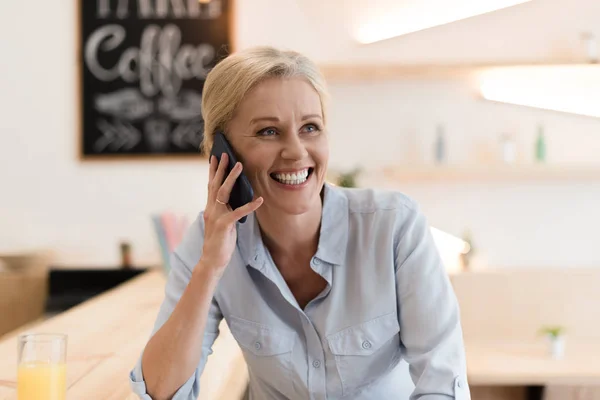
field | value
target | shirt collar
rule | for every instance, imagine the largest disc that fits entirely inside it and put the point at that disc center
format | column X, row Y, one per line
column 250, row 244
column 333, row 236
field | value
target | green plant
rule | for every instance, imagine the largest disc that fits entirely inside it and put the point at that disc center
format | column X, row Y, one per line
column 348, row 179
column 552, row 331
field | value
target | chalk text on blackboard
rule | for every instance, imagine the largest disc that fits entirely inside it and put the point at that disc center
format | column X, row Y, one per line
column 148, row 9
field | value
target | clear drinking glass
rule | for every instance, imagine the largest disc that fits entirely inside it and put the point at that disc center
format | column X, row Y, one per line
column 42, row 372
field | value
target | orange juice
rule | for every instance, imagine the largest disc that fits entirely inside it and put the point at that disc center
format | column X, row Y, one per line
column 42, row 381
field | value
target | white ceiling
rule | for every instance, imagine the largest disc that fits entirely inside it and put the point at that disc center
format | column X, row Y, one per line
column 540, row 30
column 387, row 18
column 358, row 17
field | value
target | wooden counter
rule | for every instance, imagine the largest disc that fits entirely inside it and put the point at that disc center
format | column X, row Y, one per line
column 502, row 312
column 107, row 335
column 509, row 363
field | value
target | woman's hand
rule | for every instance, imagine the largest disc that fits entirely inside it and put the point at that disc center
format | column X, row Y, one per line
column 219, row 219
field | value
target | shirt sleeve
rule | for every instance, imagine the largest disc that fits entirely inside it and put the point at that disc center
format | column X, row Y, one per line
column 179, row 277
column 430, row 330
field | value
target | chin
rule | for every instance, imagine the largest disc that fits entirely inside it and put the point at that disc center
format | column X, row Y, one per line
column 294, row 203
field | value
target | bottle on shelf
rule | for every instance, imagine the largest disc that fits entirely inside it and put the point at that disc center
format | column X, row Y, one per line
column 125, row 255
column 440, row 145
column 591, row 46
column 540, row 145
column 509, row 152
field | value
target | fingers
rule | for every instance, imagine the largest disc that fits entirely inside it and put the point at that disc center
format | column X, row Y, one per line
column 225, row 190
column 222, row 167
column 220, row 188
column 246, row 209
column 212, row 168
column 218, row 178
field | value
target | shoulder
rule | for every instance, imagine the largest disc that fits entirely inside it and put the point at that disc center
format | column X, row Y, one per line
column 369, row 200
column 395, row 214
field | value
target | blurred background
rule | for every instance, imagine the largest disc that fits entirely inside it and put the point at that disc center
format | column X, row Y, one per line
column 486, row 112
column 390, row 99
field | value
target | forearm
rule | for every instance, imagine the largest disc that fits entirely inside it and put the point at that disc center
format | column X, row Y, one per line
column 173, row 353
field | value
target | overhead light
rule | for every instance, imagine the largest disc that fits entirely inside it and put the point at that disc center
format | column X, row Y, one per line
column 411, row 16
column 572, row 89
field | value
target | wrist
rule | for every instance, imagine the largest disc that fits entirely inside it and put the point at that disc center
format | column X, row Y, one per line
column 207, row 272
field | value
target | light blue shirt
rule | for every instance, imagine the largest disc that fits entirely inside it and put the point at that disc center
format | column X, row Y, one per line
column 388, row 298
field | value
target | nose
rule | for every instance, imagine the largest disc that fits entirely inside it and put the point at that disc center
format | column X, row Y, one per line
column 293, row 148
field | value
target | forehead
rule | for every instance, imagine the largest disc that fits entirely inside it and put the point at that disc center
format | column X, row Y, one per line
column 280, row 96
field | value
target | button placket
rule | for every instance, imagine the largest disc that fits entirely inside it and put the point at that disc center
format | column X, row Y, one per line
column 316, row 375
column 460, row 389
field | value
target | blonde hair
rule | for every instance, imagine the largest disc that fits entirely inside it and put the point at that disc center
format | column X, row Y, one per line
column 230, row 80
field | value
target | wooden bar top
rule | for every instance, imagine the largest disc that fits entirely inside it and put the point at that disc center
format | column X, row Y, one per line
column 528, row 363
column 106, row 337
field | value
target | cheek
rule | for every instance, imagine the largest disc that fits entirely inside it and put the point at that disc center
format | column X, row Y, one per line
column 252, row 157
column 255, row 164
column 252, row 167
column 321, row 152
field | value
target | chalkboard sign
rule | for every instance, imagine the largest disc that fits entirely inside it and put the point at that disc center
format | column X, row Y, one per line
column 144, row 63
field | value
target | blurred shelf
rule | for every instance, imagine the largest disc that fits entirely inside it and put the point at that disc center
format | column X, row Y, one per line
column 491, row 173
column 368, row 72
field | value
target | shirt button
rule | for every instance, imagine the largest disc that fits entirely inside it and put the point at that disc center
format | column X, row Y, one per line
column 459, row 384
column 257, row 345
column 316, row 363
column 366, row 345
column 317, row 261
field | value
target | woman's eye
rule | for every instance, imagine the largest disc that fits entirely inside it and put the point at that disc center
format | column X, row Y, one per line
column 267, row 132
column 310, row 128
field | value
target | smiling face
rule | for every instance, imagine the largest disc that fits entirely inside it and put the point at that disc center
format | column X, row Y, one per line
column 279, row 135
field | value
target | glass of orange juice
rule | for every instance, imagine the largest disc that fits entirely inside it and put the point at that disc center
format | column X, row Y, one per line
column 42, row 372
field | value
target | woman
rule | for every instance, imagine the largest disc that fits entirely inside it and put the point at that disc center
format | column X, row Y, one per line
column 324, row 289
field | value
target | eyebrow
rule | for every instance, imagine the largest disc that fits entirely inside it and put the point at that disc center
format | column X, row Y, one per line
column 309, row 116
column 275, row 119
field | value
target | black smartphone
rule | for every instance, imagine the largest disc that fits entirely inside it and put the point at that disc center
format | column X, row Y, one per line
column 242, row 192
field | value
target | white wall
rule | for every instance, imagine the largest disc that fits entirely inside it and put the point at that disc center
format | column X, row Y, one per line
column 525, row 224
column 49, row 198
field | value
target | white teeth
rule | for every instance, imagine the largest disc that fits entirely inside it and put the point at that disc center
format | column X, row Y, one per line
column 296, row 178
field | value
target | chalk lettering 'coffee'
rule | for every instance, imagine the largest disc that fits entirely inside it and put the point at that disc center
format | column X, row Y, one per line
column 144, row 63
column 160, row 63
